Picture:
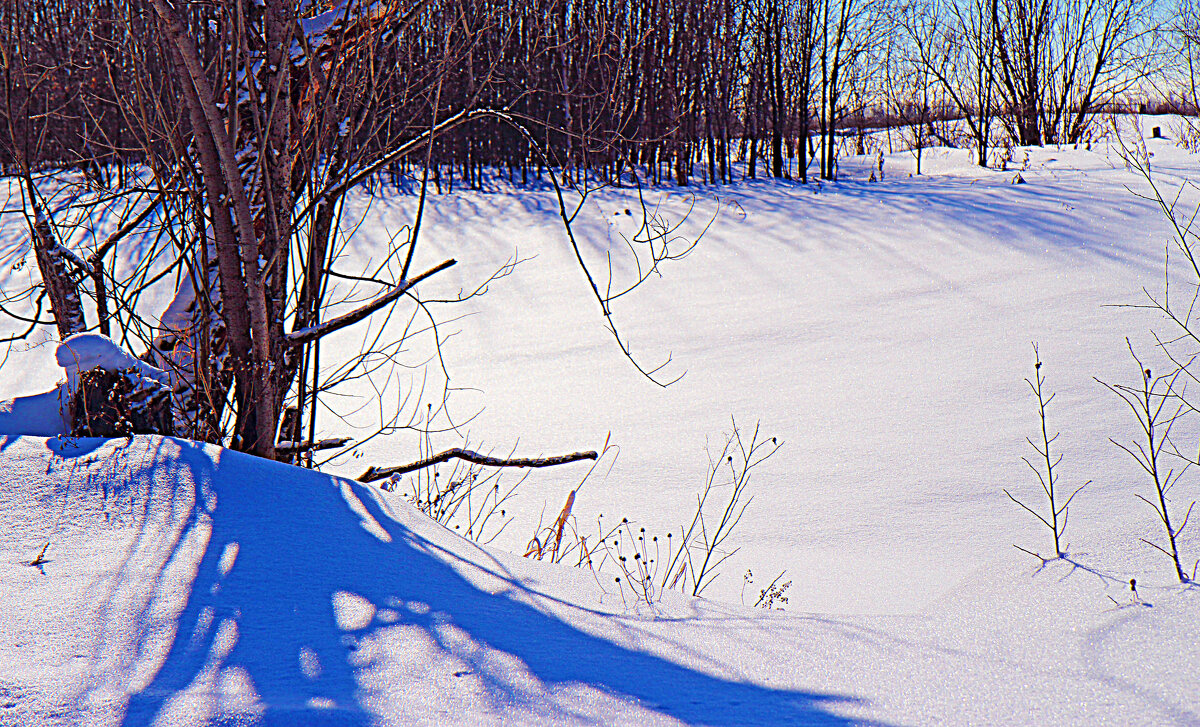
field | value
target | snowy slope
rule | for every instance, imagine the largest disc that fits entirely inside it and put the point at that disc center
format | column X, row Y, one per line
column 881, row 330
column 185, row 583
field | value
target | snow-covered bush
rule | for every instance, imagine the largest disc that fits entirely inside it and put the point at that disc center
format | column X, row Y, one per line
column 107, row 392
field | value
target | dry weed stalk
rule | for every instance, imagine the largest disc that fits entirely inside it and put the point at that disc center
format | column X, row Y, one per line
column 650, row 564
column 775, row 592
column 548, row 541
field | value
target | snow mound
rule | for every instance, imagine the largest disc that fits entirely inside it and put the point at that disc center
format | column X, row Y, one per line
column 187, row 584
column 87, row 351
column 46, row 415
column 154, row 581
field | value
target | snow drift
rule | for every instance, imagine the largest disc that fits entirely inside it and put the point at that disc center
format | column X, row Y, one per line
column 48, row 414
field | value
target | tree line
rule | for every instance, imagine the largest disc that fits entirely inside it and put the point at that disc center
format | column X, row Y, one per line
column 679, row 88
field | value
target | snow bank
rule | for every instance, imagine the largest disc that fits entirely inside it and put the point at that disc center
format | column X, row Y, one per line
column 185, row 583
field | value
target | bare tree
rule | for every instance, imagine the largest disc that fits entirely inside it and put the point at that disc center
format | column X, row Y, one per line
column 1058, row 59
column 910, row 63
column 955, row 41
column 283, row 112
column 848, row 29
column 1186, row 33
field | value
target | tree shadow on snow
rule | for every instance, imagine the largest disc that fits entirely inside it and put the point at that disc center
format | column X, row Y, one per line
column 285, row 544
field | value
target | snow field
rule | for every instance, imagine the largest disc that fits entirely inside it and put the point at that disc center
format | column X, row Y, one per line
column 881, row 330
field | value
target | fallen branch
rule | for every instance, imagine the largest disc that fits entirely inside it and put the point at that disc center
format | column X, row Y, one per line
column 41, row 557
column 378, row 473
column 308, row 446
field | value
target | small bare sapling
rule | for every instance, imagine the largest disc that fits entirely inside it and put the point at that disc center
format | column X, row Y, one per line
column 1055, row 518
column 702, row 544
column 1157, row 406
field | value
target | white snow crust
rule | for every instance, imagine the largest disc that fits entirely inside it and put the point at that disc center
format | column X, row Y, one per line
column 87, row 351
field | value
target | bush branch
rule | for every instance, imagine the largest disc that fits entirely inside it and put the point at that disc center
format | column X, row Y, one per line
column 312, row 333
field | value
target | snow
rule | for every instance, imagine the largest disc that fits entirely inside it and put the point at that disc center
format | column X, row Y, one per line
column 87, row 351
column 184, row 583
column 881, row 330
column 176, row 341
column 177, row 319
column 38, row 414
column 317, row 26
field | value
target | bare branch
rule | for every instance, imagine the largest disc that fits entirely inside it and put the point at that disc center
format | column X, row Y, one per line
column 312, row 333
column 292, row 448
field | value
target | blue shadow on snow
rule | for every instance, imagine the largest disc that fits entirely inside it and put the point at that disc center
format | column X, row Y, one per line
column 299, row 542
